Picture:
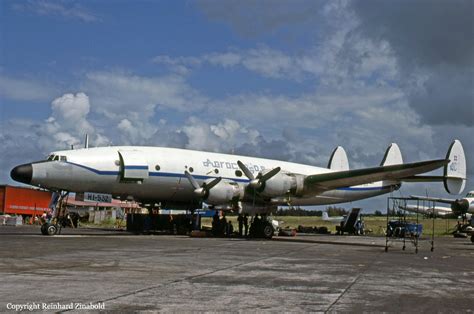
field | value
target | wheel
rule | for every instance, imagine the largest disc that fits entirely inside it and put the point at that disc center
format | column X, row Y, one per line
column 44, row 228
column 267, row 231
column 472, row 238
column 52, row 229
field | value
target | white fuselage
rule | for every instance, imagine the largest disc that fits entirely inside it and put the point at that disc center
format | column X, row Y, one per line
column 157, row 174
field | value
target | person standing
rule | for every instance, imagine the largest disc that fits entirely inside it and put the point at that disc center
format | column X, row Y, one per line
column 246, row 224
column 240, row 219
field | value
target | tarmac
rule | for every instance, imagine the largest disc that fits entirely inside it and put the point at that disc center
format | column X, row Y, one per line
column 96, row 269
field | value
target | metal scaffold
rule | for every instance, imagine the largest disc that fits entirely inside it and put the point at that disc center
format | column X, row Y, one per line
column 406, row 228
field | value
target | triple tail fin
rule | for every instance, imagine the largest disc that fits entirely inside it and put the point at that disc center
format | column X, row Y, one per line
column 393, row 156
column 338, row 160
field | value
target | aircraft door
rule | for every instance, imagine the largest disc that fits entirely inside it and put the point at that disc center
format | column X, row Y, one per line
column 133, row 165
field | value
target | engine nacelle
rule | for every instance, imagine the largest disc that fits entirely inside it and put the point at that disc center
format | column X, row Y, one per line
column 460, row 206
column 281, row 184
column 224, row 192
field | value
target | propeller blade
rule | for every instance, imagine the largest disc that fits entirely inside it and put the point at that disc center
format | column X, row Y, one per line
column 245, row 170
column 212, row 184
column 270, row 174
column 191, row 179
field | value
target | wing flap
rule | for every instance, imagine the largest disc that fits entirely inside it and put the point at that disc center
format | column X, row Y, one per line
column 339, row 179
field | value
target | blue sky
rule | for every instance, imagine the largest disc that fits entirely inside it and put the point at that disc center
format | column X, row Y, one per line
column 287, row 80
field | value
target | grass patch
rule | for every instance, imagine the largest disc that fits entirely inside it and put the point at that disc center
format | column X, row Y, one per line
column 442, row 227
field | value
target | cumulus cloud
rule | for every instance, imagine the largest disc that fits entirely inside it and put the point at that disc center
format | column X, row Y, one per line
column 69, row 123
column 224, row 136
column 127, row 95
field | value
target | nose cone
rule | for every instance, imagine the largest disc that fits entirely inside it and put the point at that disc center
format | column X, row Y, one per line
column 22, row 173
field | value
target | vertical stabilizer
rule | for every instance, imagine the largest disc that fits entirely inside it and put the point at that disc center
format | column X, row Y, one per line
column 393, row 156
column 338, row 160
column 455, row 170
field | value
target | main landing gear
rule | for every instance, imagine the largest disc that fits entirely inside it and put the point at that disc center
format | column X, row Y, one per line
column 261, row 227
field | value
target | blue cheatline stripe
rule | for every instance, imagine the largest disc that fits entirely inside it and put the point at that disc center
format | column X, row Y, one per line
column 201, row 177
column 137, row 167
column 153, row 174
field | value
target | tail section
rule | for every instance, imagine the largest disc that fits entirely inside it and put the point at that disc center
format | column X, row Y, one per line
column 393, row 156
column 325, row 216
column 454, row 176
column 338, row 160
column 455, row 170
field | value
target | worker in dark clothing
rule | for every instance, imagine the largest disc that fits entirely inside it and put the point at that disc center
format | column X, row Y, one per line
column 255, row 227
column 230, row 229
column 215, row 224
column 246, row 225
column 223, row 225
column 240, row 219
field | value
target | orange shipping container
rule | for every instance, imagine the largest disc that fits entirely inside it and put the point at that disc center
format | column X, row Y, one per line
column 23, row 201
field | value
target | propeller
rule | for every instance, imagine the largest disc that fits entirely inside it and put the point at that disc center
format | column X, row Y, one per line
column 259, row 181
column 203, row 190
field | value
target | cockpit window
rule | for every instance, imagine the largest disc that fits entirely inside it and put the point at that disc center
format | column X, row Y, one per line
column 56, row 157
column 470, row 194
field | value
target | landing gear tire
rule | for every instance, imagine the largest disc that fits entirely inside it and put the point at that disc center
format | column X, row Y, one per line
column 44, row 229
column 267, row 231
column 49, row 229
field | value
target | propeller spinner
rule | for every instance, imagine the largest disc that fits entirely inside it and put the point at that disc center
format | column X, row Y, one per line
column 203, row 190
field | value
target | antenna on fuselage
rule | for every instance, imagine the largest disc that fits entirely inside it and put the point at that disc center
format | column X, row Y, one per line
column 86, row 141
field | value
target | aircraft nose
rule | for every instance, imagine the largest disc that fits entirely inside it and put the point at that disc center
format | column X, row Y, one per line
column 22, row 173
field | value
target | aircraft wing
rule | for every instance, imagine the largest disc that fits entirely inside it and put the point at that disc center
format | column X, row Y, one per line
column 332, row 180
column 438, row 210
column 433, row 199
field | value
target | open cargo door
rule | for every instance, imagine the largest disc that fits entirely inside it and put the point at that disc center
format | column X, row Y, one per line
column 133, row 166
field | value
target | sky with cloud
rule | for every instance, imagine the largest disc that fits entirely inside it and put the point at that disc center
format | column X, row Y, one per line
column 288, row 80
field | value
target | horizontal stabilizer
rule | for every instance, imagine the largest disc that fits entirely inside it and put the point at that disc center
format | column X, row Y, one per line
column 339, row 179
column 433, row 199
column 393, row 156
column 338, row 160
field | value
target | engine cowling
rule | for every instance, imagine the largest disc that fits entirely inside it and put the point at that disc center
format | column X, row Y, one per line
column 281, row 184
column 224, row 192
column 460, row 206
